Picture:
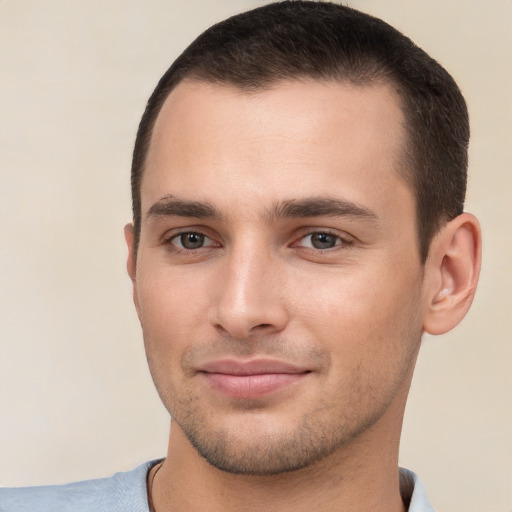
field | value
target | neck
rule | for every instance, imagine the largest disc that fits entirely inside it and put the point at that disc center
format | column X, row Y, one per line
column 354, row 479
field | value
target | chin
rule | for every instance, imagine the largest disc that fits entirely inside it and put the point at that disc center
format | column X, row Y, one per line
column 256, row 448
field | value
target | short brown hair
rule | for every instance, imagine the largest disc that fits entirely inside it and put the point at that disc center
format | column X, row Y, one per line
column 327, row 41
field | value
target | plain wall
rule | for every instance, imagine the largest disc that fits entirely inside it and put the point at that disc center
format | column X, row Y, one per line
column 76, row 399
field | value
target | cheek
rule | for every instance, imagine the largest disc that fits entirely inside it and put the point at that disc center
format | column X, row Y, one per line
column 173, row 309
column 169, row 298
column 172, row 317
column 364, row 318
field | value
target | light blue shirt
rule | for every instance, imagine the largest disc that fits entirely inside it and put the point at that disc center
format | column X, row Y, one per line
column 122, row 492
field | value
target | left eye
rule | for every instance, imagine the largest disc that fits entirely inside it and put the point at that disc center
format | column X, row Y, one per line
column 191, row 240
column 321, row 240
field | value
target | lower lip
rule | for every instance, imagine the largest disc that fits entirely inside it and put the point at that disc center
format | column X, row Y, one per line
column 252, row 386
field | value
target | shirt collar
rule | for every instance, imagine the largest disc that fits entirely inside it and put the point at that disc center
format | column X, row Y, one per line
column 413, row 492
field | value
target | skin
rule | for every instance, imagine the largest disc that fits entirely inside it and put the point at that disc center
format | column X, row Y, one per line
column 305, row 253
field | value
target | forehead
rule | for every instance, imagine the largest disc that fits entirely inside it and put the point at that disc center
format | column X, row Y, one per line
column 294, row 138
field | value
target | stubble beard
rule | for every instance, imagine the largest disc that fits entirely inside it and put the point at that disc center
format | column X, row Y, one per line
column 271, row 455
column 310, row 441
column 320, row 432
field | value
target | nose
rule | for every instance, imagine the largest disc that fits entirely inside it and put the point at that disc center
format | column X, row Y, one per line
column 249, row 297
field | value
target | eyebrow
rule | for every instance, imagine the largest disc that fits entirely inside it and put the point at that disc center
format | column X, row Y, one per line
column 292, row 208
column 171, row 206
column 320, row 207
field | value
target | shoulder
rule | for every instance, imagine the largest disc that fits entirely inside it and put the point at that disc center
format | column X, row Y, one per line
column 122, row 492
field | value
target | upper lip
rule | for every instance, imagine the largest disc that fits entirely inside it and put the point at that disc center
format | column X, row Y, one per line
column 252, row 367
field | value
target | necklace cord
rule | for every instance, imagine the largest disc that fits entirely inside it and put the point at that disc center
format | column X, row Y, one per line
column 151, row 478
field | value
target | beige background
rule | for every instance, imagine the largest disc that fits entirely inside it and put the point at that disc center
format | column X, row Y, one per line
column 76, row 400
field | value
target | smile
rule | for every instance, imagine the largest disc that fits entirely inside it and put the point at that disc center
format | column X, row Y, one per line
column 252, row 379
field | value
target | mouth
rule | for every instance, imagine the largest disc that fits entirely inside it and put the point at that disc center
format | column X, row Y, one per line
column 251, row 379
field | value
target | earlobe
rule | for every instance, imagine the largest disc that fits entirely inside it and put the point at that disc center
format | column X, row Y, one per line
column 451, row 273
column 131, row 262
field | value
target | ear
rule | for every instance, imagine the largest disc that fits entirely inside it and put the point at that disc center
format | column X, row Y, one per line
column 451, row 273
column 131, row 263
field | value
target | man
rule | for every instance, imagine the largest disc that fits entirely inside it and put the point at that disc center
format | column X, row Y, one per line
column 298, row 183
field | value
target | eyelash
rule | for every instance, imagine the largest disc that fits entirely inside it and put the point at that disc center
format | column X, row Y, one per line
column 341, row 242
column 168, row 241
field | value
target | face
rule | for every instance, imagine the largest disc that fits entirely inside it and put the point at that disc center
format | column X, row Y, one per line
column 278, row 279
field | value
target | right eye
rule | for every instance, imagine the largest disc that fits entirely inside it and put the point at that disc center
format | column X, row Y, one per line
column 321, row 240
column 190, row 240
